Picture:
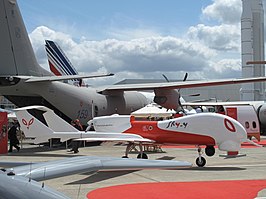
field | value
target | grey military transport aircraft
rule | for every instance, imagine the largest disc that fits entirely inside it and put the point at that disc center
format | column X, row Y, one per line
column 24, row 82
column 20, row 182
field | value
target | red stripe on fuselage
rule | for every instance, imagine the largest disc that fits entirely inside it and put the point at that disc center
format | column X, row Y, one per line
column 150, row 130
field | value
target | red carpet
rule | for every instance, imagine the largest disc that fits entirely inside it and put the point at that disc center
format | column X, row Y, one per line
column 235, row 189
column 243, row 145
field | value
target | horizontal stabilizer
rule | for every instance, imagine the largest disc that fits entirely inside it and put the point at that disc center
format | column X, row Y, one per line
column 67, row 77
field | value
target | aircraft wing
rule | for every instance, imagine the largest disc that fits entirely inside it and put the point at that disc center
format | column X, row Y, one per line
column 110, row 136
column 115, row 139
column 236, row 103
column 177, row 85
column 81, row 164
column 66, row 77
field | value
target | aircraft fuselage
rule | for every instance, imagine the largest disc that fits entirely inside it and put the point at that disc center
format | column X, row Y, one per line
column 74, row 102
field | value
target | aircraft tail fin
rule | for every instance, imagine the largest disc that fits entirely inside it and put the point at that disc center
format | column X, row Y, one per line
column 56, row 123
column 59, row 64
column 16, row 53
column 32, row 127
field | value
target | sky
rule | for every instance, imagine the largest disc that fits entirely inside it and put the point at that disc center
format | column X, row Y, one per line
column 140, row 38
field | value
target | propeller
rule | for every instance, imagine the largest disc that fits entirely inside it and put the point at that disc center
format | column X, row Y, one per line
column 179, row 102
column 184, row 79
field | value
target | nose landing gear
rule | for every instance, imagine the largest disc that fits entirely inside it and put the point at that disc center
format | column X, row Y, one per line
column 200, row 161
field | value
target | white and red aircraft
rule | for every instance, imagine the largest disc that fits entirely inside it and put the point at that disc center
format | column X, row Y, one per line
column 208, row 129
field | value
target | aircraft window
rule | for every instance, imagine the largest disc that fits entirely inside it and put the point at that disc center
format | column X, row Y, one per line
column 247, row 125
column 254, row 124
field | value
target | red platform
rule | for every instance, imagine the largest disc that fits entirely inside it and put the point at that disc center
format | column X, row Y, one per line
column 233, row 189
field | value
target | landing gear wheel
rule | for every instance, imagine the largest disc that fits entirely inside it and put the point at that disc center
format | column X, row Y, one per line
column 143, row 156
column 210, row 150
column 201, row 162
column 124, row 156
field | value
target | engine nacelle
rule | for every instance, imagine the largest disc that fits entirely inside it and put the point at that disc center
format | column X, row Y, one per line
column 167, row 98
column 261, row 111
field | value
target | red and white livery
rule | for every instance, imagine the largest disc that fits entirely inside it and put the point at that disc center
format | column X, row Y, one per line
column 206, row 129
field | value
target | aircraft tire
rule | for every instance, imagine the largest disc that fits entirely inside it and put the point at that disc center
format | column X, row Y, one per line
column 201, row 163
column 144, row 156
column 209, row 151
column 124, row 156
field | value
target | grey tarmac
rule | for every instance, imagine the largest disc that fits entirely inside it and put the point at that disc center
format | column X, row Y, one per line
column 250, row 167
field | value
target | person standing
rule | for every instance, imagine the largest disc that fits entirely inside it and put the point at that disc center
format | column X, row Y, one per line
column 76, row 144
column 13, row 140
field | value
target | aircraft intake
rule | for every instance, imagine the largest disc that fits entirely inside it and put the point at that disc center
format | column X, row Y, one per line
column 167, row 98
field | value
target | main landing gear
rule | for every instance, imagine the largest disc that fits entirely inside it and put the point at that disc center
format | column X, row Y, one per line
column 201, row 161
column 132, row 146
column 209, row 151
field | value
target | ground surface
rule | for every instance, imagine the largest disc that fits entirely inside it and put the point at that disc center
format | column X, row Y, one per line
column 251, row 167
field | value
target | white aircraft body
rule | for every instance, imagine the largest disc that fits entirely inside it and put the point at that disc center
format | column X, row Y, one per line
column 59, row 128
column 20, row 182
column 24, row 82
column 251, row 114
column 208, row 129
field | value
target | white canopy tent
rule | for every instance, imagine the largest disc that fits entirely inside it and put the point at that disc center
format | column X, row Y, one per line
column 153, row 110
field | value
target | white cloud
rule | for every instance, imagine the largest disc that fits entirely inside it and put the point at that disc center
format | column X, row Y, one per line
column 230, row 68
column 225, row 11
column 223, row 37
column 153, row 54
column 204, row 51
column 148, row 57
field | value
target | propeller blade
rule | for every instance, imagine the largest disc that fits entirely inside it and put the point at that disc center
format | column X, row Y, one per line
column 165, row 77
column 185, row 78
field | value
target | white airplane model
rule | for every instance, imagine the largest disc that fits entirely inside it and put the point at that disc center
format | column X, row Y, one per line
column 19, row 182
column 207, row 129
column 24, row 82
column 59, row 128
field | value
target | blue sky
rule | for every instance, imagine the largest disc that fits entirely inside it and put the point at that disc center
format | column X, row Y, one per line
column 140, row 38
column 90, row 18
